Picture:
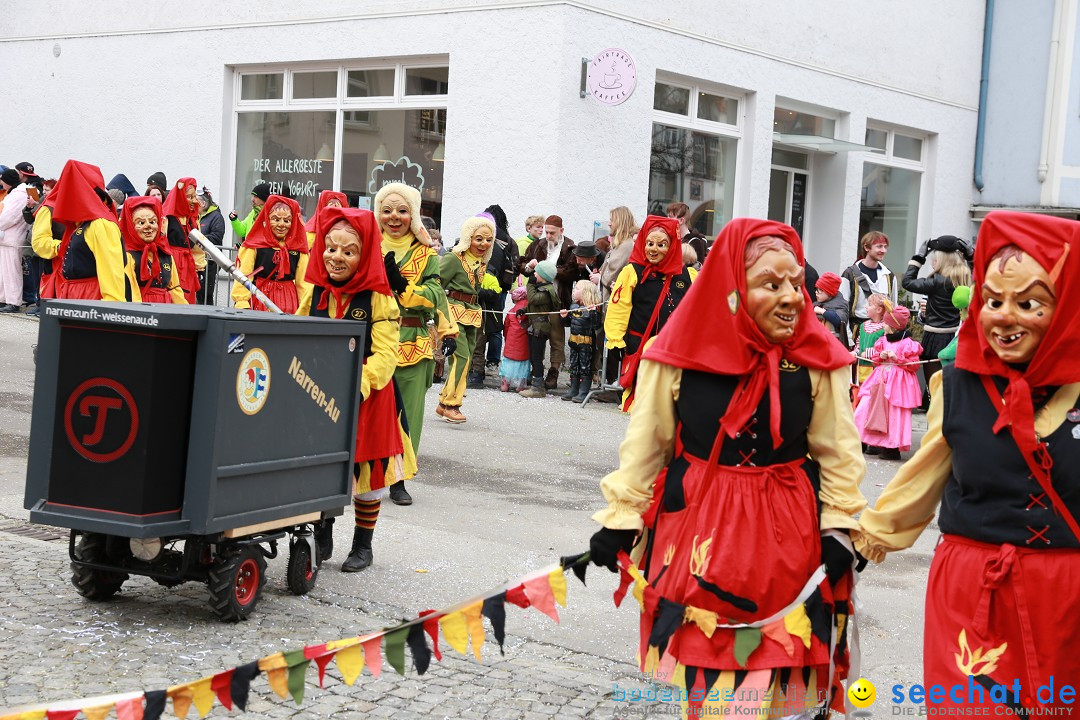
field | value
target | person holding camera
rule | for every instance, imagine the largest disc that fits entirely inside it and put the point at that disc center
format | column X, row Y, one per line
column 948, row 261
column 259, row 195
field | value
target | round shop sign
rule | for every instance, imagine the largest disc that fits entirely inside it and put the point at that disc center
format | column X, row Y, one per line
column 253, row 381
column 612, row 76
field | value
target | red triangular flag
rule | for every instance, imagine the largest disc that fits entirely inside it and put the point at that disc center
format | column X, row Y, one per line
column 373, row 655
column 431, row 627
column 62, row 714
column 539, row 593
column 313, row 651
column 517, row 596
column 322, row 661
column 222, row 687
column 130, row 709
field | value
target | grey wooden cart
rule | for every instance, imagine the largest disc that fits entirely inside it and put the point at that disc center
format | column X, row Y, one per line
column 182, row 443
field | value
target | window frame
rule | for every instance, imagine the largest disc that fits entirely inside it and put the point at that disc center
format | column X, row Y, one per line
column 888, row 159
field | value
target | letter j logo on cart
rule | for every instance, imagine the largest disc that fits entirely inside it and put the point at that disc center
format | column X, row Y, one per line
column 862, row 693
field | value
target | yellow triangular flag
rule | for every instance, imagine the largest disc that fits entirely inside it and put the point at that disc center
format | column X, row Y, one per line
column 279, row 681
column 797, row 623
column 345, row 643
column 557, row 578
column 455, row 631
column 475, row 623
column 97, row 713
column 652, row 661
column 640, row 583
column 705, row 619
column 350, row 662
column 203, row 696
column 181, row 700
column 33, row 715
column 273, row 662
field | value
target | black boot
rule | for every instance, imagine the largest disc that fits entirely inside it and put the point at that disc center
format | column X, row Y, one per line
column 575, row 381
column 324, row 538
column 360, row 556
column 475, row 381
column 583, row 391
column 399, row 495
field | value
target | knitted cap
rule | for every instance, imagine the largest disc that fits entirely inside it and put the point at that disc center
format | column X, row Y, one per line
column 546, row 270
column 554, row 220
column 261, row 191
column 519, row 293
column 829, row 283
column 158, row 181
column 897, row 318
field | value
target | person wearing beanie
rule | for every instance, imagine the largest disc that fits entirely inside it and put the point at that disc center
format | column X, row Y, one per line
column 181, row 208
column 157, row 180
column 831, row 308
column 463, row 270
column 887, row 398
column 412, row 269
column 120, row 182
column 349, row 283
column 259, row 195
column 544, row 305
column 515, row 368
column 275, row 256
column 559, row 248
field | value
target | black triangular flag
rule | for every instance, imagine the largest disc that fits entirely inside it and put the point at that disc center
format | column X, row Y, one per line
column 740, row 676
column 820, row 617
column 494, row 609
column 669, row 617
column 574, row 562
column 421, row 653
column 155, row 704
column 711, row 676
column 241, row 683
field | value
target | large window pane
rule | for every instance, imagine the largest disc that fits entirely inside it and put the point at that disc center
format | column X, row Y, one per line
column 311, row 85
column 800, row 123
column 262, row 86
column 427, row 81
column 672, row 99
column 380, row 146
column 718, row 108
column 697, row 169
column 285, row 148
column 890, row 203
column 370, row 83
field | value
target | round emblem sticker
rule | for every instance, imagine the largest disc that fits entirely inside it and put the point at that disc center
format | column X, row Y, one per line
column 358, row 314
column 352, row 344
column 612, row 76
column 253, row 381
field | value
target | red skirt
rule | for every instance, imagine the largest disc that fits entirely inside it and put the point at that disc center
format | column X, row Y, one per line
column 152, row 294
column 80, row 289
column 744, row 547
column 184, row 265
column 1012, row 608
column 281, row 292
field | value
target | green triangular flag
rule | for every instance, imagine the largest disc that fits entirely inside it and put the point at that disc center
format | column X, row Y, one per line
column 746, row 642
column 298, row 666
column 394, row 649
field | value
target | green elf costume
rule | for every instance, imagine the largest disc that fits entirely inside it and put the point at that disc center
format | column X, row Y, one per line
column 412, row 269
column 463, row 270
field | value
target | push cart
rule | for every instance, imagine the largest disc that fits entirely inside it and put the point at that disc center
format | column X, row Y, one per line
column 183, row 443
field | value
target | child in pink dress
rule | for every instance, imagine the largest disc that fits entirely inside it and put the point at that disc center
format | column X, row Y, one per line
column 886, row 399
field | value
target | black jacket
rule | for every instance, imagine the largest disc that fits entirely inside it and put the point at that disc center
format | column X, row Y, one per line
column 212, row 225
column 938, row 290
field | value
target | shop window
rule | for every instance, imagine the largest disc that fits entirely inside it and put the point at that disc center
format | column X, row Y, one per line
column 891, row 188
column 671, row 99
column 262, row 86
column 794, row 122
column 908, row 148
column 717, row 108
column 314, row 85
column 427, row 81
column 695, row 168
column 877, row 139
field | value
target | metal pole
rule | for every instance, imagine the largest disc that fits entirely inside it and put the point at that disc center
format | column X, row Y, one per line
column 219, row 257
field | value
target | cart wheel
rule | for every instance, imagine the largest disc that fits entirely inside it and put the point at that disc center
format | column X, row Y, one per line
column 301, row 573
column 94, row 584
column 235, row 581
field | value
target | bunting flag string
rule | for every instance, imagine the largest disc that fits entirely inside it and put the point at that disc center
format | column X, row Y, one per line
column 461, row 625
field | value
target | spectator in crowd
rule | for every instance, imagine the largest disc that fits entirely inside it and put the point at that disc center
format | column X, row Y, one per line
column 29, row 176
column 560, row 249
column 867, row 276
column 941, row 321
column 623, row 228
column 515, row 368
column 12, row 238
column 259, row 195
column 543, row 307
column 157, row 180
column 212, row 226
column 534, row 230
column 584, row 315
column 689, row 236
column 39, row 268
column 120, row 182
column 831, row 308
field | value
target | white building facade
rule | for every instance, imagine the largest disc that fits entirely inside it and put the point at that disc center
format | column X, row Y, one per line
column 837, row 116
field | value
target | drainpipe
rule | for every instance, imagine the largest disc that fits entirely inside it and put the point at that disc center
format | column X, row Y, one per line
column 980, row 127
column 1051, row 93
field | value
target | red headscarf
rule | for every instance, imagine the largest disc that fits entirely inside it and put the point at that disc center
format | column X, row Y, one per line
column 177, row 205
column 369, row 275
column 260, row 235
column 324, row 197
column 133, row 241
column 672, row 263
column 1055, row 244
column 712, row 332
column 73, row 199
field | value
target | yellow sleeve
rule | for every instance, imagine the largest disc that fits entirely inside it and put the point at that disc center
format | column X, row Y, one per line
column 245, row 259
column 103, row 239
column 693, row 273
column 835, row 446
column 646, row 449
column 310, row 240
column 303, row 287
column 908, row 502
column 304, row 306
column 41, row 238
column 618, row 310
column 379, row 368
column 132, row 278
column 198, row 255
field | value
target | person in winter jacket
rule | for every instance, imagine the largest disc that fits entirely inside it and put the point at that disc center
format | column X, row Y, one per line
column 543, row 305
column 585, row 324
column 831, row 308
column 259, row 195
column 212, row 226
column 514, row 368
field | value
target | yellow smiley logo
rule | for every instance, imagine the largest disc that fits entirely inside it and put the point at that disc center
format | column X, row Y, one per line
column 862, row 693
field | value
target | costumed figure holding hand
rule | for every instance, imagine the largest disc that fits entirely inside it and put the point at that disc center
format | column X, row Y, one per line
column 412, row 269
column 349, row 283
column 644, row 295
column 275, row 255
column 142, row 225
column 738, row 479
column 1000, row 455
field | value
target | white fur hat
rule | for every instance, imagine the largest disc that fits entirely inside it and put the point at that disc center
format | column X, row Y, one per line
column 468, row 229
column 412, row 198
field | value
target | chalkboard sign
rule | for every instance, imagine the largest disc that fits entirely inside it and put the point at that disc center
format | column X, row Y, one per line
column 798, row 202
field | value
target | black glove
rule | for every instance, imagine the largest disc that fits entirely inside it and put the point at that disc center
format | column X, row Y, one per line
column 449, row 346
column 605, row 544
column 28, row 215
column 397, row 281
column 233, row 216
column 924, row 249
column 490, row 297
column 614, row 364
column 836, row 558
column 520, row 312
